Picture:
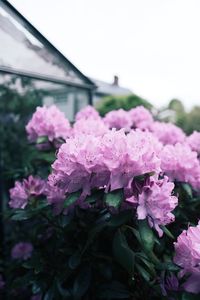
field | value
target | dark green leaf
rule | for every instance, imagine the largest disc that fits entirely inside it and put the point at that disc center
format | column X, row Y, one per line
column 122, row 253
column 143, row 272
column 114, row 198
column 167, row 232
column 113, row 290
column 42, row 139
column 187, row 188
column 74, row 260
column 82, row 282
column 71, row 199
column 120, row 219
column 146, row 234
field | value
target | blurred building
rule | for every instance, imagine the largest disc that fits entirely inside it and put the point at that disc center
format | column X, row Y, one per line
column 26, row 54
column 105, row 89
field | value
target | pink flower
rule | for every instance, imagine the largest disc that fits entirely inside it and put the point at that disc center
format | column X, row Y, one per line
column 187, row 256
column 194, row 141
column 22, row 191
column 180, row 163
column 22, row 250
column 157, row 203
column 118, row 119
column 140, row 117
column 167, row 133
column 90, row 127
column 89, row 112
column 48, row 122
column 110, row 161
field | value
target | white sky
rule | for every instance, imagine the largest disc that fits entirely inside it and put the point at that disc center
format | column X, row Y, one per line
column 153, row 45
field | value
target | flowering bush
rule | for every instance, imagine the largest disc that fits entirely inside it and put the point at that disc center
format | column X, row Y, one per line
column 105, row 212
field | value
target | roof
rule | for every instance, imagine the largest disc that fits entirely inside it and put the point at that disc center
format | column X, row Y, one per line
column 105, row 88
column 25, row 51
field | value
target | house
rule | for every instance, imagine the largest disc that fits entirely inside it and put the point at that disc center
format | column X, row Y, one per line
column 26, row 53
column 105, row 89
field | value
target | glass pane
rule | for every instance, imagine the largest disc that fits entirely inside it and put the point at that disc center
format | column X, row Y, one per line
column 22, row 51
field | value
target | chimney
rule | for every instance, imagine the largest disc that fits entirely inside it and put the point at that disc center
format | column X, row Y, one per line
column 116, row 80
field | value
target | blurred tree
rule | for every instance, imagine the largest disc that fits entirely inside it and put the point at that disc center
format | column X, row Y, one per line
column 126, row 102
column 18, row 100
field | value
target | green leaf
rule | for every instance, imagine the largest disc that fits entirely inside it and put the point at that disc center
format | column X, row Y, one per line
column 82, row 283
column 71, row 199
column 113, row 290
column 21, row 215
column 74, row 260
column 189, row 296
column 167, row 232
column 122, row 253
column 187, row 188
column 114, row 198
column 42, row 139
column 146, row 234
column 169, row 266
column 62, row 291
column 143, row 272
column 120, row 219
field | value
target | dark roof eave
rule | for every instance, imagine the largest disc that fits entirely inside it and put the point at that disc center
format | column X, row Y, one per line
column 36, row 76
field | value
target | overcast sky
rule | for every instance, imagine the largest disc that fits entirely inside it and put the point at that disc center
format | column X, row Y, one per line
column 152, row 45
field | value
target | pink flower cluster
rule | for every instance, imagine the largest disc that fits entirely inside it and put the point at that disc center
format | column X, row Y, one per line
column 194, row 141
column 187, row 256
column 111, row 161
column 180, row 163
column 167, row 133
column 90, row 126
column 140, row 117
column 48, row 122
column 118, row 119
column 156, row 203
column 89, row 112
column 22, row 191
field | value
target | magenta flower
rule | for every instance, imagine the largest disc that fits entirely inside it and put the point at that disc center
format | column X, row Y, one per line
column 140, row 117
column 89, row 112
column 187, row 256
column 167, row 133
column 22, row 250
column 90, row 126
column 118, row 119
column 194, row 141
column 22, row 191
column 180, row 163
column 48, row 122
column 156, row 203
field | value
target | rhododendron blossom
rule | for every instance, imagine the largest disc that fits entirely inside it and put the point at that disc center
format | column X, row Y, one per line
column 156, row 203
column 48, row 122
column 86, row 162
column 180, row 163
column 89, row 112
column 194, row 141
column 167, row 133
column 22, row 250
column 90, row 126
column 140, row 117
column 118, row 119
column 22, row 191
column 187, row 256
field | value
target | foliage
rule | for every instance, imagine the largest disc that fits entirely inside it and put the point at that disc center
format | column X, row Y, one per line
column 116, row 102
column 98, row 221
